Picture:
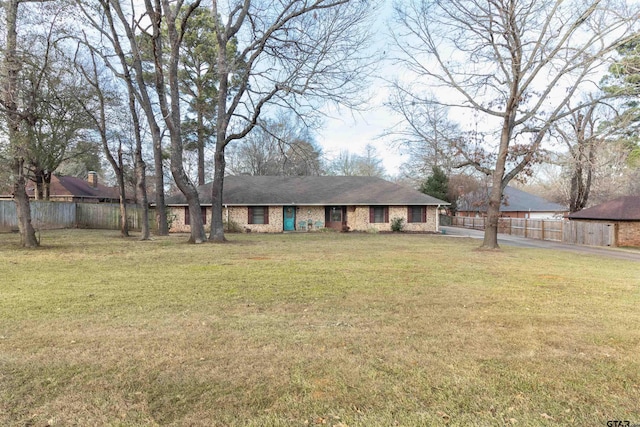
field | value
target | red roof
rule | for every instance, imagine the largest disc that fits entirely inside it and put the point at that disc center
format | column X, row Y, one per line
column 69, row 186
column 621, row 209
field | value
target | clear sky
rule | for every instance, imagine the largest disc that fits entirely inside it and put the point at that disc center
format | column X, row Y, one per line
column 352, row 131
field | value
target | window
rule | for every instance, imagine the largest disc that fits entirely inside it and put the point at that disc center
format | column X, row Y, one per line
column 187, row 217
column 378, row 214
column 417, row 214
column 336, row 214
column 258, row 215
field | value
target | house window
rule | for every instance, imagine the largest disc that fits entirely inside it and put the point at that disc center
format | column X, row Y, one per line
column 378, row 214
column 336, row 214
column 417, row 214
column 258, row 215
column 187, row 217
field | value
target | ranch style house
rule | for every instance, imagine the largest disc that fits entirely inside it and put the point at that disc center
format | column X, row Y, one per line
column 275, row 204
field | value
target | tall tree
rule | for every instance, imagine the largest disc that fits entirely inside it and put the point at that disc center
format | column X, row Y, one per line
column 117, row 29
column 289, row 53
column 97, row 107
column 15, row 115
column 168, row 91
column 515, row 64
column 425, row 133
column 198, row 84
column 59, row 124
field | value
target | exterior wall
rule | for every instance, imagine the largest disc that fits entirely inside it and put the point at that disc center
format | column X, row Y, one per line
column 628, row 233
column 240, row 215
column 315, row 214
column 357, row 219
column 430, row 226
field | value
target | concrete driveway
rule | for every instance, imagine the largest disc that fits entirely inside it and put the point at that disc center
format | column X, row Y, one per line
column 521, row 242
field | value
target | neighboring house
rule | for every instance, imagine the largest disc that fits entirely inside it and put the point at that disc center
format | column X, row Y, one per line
column 72, row 189
column 515, row 204
column 274, row 204
column 623, row 213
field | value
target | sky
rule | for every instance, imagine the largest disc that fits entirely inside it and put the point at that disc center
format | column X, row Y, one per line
column 349, row 130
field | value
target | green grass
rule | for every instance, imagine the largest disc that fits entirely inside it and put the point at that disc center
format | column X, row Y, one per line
column 313, row 329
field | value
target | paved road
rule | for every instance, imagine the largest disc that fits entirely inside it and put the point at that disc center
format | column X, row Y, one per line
column 521, row 242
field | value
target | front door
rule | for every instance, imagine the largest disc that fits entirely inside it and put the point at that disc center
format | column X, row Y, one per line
column 335, row 217
column 289, row 218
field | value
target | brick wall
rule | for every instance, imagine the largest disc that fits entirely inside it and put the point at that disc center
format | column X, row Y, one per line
column 629, row 233
column 357, row 218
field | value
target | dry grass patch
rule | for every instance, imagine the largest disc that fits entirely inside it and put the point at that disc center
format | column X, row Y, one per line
column 313, row 329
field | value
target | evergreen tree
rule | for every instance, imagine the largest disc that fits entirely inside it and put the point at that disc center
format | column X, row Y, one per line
column 437, row 185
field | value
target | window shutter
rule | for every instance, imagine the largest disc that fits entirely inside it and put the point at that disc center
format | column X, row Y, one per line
column 250, row 215
column 187, row 216
column 409, row 218
column 424, row 214
column 386, row 214
column 372, row 217
column 266, row 214
column 204, row 215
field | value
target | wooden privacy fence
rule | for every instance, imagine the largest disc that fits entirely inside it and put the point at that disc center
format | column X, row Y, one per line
column 50, row 215
column 570, row 232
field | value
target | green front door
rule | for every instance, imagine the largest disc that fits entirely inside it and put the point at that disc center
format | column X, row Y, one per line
column 289, row 218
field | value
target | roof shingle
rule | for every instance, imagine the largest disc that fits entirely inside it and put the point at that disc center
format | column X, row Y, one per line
column 311, row 190
column 625, row 208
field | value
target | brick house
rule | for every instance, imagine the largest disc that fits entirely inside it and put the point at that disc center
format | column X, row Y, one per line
column 274, row 204
column 623, row 213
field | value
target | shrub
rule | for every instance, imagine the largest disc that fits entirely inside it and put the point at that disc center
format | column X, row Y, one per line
column 232, row 227
column 397, row 224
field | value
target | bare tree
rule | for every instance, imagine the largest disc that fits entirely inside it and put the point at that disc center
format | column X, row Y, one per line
column 17, row 114
column 288, row 53
column 118, row 29
column 96, row 107
column 425, row 133
column 283, row 146
column 515, row 64
column 350, row 164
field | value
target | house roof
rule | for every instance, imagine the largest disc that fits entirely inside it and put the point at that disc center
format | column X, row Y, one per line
column 69, row 186
column 514, row 200
column 311, row 190
column 621, row 209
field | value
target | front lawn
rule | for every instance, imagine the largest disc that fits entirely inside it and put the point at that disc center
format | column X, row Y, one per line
column 313, row 329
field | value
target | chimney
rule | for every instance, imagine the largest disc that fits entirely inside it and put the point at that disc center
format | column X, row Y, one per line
column 92, row 178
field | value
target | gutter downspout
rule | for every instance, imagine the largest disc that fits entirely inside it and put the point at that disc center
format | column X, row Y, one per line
column 226, row 207
column 438, row 219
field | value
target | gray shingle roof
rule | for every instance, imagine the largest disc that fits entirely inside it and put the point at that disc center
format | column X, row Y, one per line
column 621, row 209
column 311, row 190
column 513, row 200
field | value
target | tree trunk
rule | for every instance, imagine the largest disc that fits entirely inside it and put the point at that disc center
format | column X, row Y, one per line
column 497, row 185
column 201, row 142
column 23, row 207
column 162, row 226
column 217, row 224
column 10, row 93
column 141, row 187
column 172, row 117
column 119, row 168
